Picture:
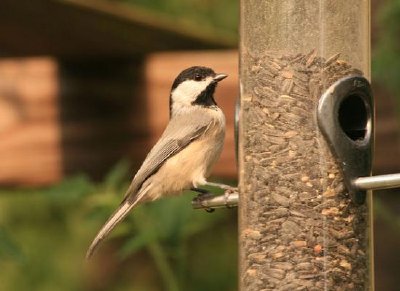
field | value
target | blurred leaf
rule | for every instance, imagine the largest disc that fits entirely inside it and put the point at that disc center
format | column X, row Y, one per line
column 8, row 248
column 118, row 175
column 141, row 231
column 70, row 189
column 138, row 242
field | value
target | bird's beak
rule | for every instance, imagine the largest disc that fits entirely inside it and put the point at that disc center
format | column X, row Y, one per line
column 219, row 77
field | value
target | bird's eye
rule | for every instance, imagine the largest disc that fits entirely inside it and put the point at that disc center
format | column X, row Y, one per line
column 197, row 77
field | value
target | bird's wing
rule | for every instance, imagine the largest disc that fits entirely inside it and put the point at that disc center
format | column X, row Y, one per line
column 180, row 132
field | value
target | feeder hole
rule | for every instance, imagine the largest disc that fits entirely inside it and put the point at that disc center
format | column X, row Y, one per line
column 354, row 117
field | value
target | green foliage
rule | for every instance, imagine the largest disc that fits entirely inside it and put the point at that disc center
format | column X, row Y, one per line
column 386, row 58
column 387, row 215
column 8, row 248
column 164, row 245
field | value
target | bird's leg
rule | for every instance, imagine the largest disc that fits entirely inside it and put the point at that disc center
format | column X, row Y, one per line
column 221, row 186
column 200, row 191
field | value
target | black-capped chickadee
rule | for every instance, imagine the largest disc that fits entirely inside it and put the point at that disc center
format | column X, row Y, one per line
column 184, row 155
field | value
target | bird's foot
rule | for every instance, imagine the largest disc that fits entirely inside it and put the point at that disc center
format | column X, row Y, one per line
column 201, row 196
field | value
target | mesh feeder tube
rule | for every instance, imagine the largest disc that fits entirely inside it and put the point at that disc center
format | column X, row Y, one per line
column 299, row 228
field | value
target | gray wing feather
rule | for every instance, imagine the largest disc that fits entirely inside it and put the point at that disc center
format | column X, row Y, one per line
column 180, row 132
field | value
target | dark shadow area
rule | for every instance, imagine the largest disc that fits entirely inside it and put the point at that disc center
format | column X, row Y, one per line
column 354, row 117
column 386, row 239
column 386, row 202
column 103, row 114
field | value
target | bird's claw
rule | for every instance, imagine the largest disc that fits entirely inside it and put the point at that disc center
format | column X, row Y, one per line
column 230, row 190
column 204, row 196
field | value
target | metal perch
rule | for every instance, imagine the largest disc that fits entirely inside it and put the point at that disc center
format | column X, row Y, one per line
column 229, row 199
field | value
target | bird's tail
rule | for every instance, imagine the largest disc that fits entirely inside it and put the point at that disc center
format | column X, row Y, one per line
column 119, row 214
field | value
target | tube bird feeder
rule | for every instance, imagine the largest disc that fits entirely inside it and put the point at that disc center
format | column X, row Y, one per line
column 305, row 66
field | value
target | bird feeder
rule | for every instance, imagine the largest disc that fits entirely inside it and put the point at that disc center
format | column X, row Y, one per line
column 306, row 107
column 305, row 125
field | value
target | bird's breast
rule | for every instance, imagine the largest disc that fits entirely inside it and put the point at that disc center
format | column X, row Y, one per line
column 193, row 164
column 197, row 159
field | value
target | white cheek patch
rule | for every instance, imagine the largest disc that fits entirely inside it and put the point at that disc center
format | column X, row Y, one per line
column 187, row 91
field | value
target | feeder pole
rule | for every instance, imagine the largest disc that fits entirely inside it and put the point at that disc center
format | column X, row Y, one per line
column 299, row 227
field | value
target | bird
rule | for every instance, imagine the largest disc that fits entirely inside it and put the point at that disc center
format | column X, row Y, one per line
column 183, row 157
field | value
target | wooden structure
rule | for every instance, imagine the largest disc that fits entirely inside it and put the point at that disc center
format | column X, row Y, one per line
column 95, row 94
column 41, row 141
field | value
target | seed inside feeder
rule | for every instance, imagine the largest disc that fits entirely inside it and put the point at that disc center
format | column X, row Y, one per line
column 295, row 199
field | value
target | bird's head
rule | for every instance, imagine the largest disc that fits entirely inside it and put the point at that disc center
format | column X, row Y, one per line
column 194, row 86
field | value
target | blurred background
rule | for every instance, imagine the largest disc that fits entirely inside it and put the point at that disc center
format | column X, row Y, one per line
column 84, row 88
